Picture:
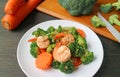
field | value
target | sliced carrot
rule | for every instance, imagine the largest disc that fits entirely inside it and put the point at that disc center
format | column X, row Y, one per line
column 11, row 22
column 42, row 50
column 12, row 5
column 32, row 40
column 76, row 61
column 59, row 35
column 44, row 60
column 81, row 32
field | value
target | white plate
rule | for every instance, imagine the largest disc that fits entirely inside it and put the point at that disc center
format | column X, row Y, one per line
column 27, row 64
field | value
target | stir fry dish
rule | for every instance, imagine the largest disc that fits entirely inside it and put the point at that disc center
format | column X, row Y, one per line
column 62, row 48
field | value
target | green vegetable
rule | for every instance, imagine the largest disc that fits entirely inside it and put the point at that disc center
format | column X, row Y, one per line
column 80, row 51
column 72, row 47
column 50, row 29
column 51, row 39
column 87, row 57
column 67, row 67
column 82, row 41
column 33, row 44
column 76, row 49
column 78, row 7
column 34, row 49
column 106, row 8
column 39, row 32
column 116, row 5
column 113, row 19
column 59, row 29
column 56, row 64
column 50, row 47
column 97, row 22
column 73, row 31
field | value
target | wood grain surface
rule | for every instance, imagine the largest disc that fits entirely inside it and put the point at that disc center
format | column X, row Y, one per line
column 52, row 7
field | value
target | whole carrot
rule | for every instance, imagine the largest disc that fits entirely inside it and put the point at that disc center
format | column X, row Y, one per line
column 10, row 22
column 12, row 5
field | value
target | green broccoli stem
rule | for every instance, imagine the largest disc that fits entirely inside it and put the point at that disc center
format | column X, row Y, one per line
column 113, row 19
column 117, row 22
column 116, row 5
column 97, row 22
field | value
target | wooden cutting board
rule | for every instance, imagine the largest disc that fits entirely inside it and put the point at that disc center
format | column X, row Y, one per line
column 52, row 7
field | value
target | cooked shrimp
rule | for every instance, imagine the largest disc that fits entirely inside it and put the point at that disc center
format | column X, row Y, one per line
column 61, row 53
column 67, row 39
column 43, row 42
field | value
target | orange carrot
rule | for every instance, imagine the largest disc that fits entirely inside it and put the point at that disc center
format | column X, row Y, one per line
column 81, row 32
column 10, row 22
column 12, row 5
column 44, row 60
column 76, row 61
column 42, row 50
column 32, row 40
column 59, row 35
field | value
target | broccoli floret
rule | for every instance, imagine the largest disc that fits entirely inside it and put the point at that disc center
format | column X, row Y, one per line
column 56, row 64
column 50, row 47
column 73, row 31
column 67, row 67
column 116, row 5
column 87, row 57
column 33, row 44
column 82, row 41
column 50, row 29
column 72, row 47
column 59, row 29
column 78, row 7
column 97, row 22
column 76, row 49
column 34, row 51
column 39, row 32
column 106, row 8
column 113, row 19
column 80, row 51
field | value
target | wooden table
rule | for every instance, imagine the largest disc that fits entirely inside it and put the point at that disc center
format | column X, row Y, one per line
column 9, row 40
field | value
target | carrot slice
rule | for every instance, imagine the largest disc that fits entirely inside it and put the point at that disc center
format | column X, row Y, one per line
column 32, row 40
column 12, row 5
column 81, row 32
column 76, row 61
column 59, row 35
column 44, row 60
column 42, row 50
column 10, row 22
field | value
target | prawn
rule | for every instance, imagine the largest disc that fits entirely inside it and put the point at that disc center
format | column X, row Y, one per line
column 66, row 40
column 61, row 53
column 43, row 42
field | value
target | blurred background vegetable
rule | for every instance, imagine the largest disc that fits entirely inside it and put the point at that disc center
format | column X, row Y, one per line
column 11, row 22
column 12, row 6
column 106, row 8
column 78, row 7
column 114, row 19
column 116, row 5
column 97, row 22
